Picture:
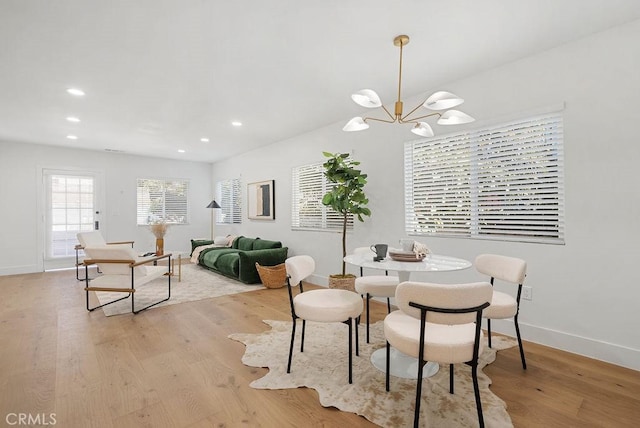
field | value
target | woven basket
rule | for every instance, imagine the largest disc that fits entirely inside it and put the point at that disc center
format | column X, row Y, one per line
column 272, row 276
column 347, row 282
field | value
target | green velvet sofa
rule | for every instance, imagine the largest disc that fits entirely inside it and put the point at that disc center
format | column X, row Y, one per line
column 239, row 260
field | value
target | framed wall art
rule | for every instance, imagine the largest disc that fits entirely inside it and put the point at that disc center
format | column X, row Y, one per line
column 261, row 200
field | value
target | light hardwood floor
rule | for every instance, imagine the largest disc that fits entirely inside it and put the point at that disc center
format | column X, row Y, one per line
column 174, row 366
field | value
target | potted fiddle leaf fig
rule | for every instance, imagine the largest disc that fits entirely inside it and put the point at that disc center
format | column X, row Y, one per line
column 346, row 197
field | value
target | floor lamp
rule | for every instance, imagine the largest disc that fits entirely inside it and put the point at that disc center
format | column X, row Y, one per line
column 213, row 205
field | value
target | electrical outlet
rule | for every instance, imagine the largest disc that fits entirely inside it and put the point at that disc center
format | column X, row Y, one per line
column 527, row 292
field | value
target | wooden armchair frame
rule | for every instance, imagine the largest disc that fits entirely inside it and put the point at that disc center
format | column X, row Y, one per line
column 130, row 291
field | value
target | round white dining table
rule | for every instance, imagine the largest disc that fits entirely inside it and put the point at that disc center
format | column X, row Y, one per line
column 431, row 263
column 403, row 365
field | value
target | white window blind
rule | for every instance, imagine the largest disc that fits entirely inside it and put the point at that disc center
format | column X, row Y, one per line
column 228, row 195
column 503, row 182
column 162, row 199
column 309, row 185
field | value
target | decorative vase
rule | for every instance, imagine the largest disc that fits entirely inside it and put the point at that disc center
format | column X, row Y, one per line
column 159, row 246
column 343, row 282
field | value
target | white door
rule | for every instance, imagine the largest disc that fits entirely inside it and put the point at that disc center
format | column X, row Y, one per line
column 70, row 207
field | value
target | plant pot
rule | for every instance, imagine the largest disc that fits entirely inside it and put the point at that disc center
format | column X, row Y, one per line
column 159, row 246
column 343, row 282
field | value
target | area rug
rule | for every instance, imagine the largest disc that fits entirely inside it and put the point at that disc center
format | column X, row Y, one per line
column 324, row 368
column 197, row 284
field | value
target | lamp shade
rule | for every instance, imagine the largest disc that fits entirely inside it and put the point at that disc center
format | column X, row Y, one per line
column 213, row 204
column 454, row 117
column 356, row 124
column 442, row 100
column 367, row 98
column 422, row 129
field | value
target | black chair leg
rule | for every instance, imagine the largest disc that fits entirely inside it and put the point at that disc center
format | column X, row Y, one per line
column 87, row 289
column 304, row 325
column 387, row 368
column 476, row 391
column 524, row 363
column 133, row 306
column 350, row 350
column 293, row 335
column 416, row 415
column 388, row 305
column 450, row 378
column 489, row 331
column 368, row 298
column 357, row 339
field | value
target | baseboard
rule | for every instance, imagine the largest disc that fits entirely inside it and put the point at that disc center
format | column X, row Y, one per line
column 18, row 270
column 591, row 348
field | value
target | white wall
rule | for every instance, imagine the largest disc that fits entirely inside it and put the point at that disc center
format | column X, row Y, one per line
column 21, row 195
column 584, row 292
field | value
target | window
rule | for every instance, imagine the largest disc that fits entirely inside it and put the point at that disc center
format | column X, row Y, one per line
column 307, row 211
column 162, row 199
column 228, row 195
column 503, row 182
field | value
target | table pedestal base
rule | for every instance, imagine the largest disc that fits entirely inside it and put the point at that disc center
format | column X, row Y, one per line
column 401, row 365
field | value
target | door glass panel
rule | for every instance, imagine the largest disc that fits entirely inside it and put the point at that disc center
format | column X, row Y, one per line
column 70, row 209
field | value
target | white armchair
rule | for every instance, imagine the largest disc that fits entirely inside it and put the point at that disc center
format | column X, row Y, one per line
column 92, row 239
column 122, row 272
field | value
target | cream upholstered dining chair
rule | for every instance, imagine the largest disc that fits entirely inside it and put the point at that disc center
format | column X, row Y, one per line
column 323, row 305
column 92, row 239
column 123, row 272
column 439, row 323
column 513, row 271
column 374, row 285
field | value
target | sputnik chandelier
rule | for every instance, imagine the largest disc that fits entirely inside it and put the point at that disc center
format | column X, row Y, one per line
column 440, row 100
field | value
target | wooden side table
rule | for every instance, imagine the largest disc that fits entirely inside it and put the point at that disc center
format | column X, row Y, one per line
column 173, row 266
column 173, row 263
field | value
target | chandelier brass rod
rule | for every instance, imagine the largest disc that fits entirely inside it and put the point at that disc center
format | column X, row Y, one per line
column 393, row 118
column 414, row 119
column 400, row 74
column 378, row 120
column 411, row 112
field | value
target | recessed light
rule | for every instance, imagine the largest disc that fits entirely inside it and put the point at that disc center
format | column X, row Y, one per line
column 181, row 151
column 204, row 139
column 73, row 119
column 75, row 91
column 236, row 123
column 72, row 137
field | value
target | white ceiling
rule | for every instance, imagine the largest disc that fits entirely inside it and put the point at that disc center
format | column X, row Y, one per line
column 161, row 74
